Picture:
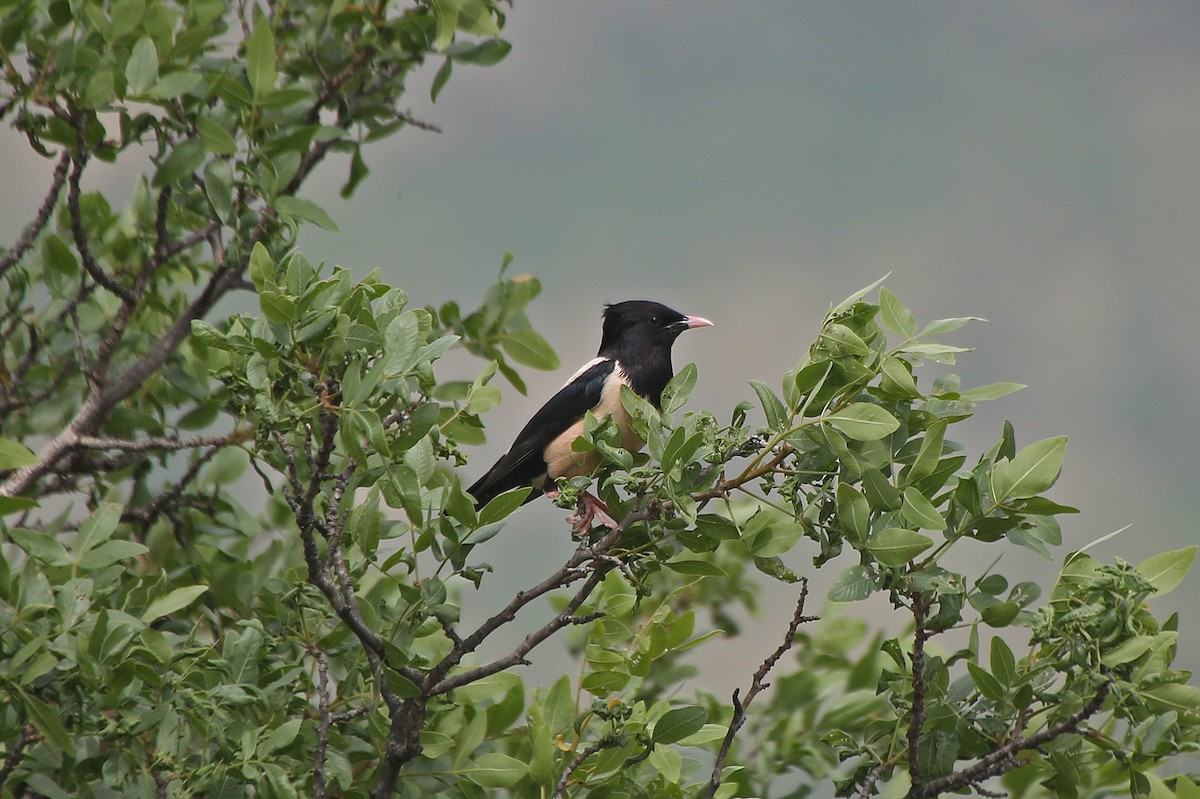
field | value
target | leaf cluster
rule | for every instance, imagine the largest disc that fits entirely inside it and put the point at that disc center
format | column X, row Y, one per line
column 237, row 548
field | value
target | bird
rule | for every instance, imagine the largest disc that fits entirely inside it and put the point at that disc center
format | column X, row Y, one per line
column 635, row 350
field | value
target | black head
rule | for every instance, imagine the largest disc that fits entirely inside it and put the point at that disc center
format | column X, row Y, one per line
column 642, row 326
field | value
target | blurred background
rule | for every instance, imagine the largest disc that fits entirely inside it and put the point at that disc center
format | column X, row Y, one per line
column 1034, row 163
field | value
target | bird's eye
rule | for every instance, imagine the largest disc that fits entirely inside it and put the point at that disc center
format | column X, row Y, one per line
column 655, row 321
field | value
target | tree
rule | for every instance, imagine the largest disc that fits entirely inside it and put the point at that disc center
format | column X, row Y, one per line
column 236, row 544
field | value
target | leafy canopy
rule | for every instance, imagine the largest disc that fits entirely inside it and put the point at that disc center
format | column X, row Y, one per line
column 237, row 547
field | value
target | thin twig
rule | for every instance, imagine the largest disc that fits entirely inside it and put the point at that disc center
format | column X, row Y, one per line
column 157, row 443
column 917, row 720
column 404, row 742
column 757, row 684
column 325, row 720
column 81, row 241
column 31, row 232
column 28, row 735
column 576, row 762
column 1004, row 759
column 872, row 778
column 570, row 571
column 100, row 403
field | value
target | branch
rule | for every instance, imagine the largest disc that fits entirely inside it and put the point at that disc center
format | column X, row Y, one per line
column 333, row 85
column 81, row 241
column 565, row 618
column 1003, row 759
column 323, row 725
column 404, row 739
column 569, row 572
column 172, row 497
column 918, row 687
column 757, row 685
column 31, row 232
column 576, row 762
column 873, row 777
column 28, row 735
column 100, row 402
column 306, row 520
column 165, row 443
column 751, row 474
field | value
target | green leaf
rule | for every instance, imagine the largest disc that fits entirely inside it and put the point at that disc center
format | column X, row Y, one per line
column 774, row 567
column 495, row 770
column 930, row 453
column 181, row 162
column 1001, row 614
column 1128, row 650
column 60, row 258
column 528, row 348
column 174, row 84
column 14, row 454
column 645, row 416
column 853, row 512
column 277, row 308
column 141, row 71
column 300, row 208
column 1166, row 571
column 879, row 491
column 863, row 421
column 939, row 326
column 281, row 736
column 41, row 545
column 898, row 379
column 680, row 447
column 990, row 392
column 358, row 172
column 1003, row 662
column 895, row 546
column 920, row 512
column 1032, row 471
column 1183, row 699
column 214, row 137
column 476, row 18
column 218, row 187
column 97, row 528
column 485, row 54
column 895, row 316
column 841, row 340
column 440, row 79
column 853, row 584
column 1185, row 788
column 679, row 723
column 46, row 719
column 845, row 304
column 262, row 268
column 399, row 684
column 772, row 406
column 16, row 505
column 500, row 507
column 693, row 566
column 176, row 600
column 679, row 388
column 988, row 685
column 111, row 552
column 775, row 539
column 260, row 58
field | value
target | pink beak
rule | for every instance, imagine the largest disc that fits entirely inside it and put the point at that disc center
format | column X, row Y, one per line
column 698, row 321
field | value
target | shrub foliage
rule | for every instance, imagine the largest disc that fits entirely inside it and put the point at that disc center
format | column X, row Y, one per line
column 237, row 544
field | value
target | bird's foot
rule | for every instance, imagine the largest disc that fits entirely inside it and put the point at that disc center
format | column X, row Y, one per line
column 589, row 509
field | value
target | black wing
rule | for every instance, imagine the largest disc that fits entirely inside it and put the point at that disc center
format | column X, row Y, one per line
column 523, row 464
